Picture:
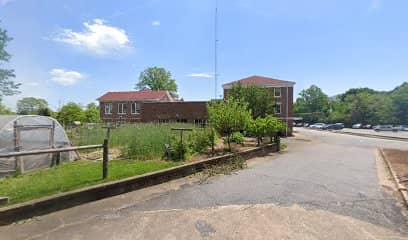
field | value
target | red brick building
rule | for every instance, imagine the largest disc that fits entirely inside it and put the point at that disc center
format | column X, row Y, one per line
column 281, row 90
column 160, row 106
column 149, row 106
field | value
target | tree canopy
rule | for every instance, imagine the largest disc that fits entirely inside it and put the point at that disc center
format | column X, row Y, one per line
column 7, row 86
column 30, row 105
column 228, row 116
column 70, row 113
column 92, row 113
column 312, row 104
column 157, row 78
column 357, row 105
column 260, row 100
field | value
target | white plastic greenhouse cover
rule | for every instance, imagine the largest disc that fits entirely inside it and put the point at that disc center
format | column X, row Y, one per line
column 34, row 134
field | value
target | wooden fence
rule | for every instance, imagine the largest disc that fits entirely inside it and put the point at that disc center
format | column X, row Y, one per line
column 56, row 152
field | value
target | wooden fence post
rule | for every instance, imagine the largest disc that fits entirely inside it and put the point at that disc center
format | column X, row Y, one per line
column 105, row 158
column 57, row 158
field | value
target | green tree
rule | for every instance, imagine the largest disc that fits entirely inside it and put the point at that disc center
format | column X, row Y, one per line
column 92, row 113
column 7, row 86
column 228, row 116
column 399, row 98
column 31, row 105
column 157, row 78
column 272, row 126
column 257, row 128
column 260, row 100
column 312, row 105
column 45, row 112
column 4, row 110
column 69, row 113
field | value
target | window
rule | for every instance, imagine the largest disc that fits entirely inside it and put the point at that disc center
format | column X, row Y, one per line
column 135, row 108
column 108, row 108
column 200, row 122
column 182, row 120
column 277, row 92
column 121, row 108
column 163, row 121
column 278, row 108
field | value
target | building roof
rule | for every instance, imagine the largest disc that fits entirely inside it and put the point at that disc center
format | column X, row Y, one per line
column 259, row 80
column 142, row 95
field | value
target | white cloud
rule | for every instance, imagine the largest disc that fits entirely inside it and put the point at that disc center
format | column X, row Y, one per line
column 200, row 75
column 156, row 23
column 65, row 77
column 97, row 37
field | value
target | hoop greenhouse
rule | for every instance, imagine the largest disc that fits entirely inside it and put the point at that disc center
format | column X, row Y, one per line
column 26, row 133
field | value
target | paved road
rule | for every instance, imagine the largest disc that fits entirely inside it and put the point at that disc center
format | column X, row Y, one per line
column 326, row 186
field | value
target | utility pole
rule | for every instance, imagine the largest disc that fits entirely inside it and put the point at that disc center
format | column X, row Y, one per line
column 216, row 49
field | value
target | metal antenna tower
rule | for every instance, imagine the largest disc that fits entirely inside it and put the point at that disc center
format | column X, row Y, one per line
column 216, row 49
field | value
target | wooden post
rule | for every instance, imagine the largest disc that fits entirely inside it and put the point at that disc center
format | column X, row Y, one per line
column 108, row 132
column 105, row 158
column 278, row 142
column 181, row 138
column 57, row 158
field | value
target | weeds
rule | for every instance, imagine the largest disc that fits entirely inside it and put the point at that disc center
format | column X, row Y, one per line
column 233, row 165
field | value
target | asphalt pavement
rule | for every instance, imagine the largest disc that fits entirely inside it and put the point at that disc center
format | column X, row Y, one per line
column 325, row 186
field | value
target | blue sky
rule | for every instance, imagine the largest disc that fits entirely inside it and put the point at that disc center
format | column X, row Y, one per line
column 77, row 50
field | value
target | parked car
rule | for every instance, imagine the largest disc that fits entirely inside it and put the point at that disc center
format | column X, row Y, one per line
column 335, row 126
column 306, row 125
column 357, row 126
column 299, row 124
column 384, row 128
column 398, row 128
column 404, row 127
column 318, row 126
column 367, row 126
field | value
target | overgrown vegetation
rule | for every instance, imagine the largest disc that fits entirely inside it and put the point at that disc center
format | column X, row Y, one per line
column 234, row 164
column 146, row 141
column 70, row 176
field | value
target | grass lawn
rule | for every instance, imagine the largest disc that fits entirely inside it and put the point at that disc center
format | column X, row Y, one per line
column 70, row 176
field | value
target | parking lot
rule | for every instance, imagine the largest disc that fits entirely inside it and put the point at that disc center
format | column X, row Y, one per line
column 401, row 134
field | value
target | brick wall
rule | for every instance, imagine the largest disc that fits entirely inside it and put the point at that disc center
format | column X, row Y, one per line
column 173, row 111
column 115, row 116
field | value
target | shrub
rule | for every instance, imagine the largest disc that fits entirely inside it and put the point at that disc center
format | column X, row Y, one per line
column 257, row 128
column 237, row 137
column 179, row 150
column 200, row 140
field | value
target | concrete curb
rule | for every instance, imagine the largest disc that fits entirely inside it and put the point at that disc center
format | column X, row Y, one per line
column 401, row 188
column 373, row 136
column 70, row 199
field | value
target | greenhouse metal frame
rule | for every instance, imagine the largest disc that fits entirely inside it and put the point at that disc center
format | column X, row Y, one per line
column 31, row 132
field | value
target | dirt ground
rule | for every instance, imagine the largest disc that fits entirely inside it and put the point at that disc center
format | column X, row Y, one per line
column 399, row 161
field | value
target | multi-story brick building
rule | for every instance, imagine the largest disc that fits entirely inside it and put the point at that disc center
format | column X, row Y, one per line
column 160, row 106
column 281, row 90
